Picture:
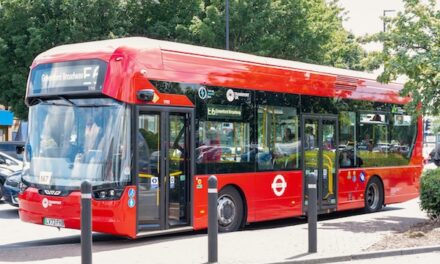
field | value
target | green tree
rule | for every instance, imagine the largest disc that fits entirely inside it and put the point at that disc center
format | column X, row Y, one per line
column 411, row 48
column 31, row 27
column 160, row 19
column 303, row 30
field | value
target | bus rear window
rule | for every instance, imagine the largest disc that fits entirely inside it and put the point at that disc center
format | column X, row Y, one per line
column 80, row 76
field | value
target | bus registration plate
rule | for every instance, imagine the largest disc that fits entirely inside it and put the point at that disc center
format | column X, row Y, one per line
column 53, row 222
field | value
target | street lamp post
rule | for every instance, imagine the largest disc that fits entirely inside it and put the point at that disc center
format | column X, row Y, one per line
column 384, row 17
column 227, row 24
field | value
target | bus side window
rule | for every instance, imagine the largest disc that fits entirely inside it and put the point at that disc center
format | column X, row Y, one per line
column 403, row 134
column 278, row 138
column 349, row 154
column 225, row 131
column 373, row 142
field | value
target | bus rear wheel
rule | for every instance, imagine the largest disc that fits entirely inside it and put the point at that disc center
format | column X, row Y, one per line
column 374, row 197
column 229, row 210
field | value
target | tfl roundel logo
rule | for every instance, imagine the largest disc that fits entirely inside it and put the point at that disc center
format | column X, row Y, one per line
column 279, row 185
column 45, row 203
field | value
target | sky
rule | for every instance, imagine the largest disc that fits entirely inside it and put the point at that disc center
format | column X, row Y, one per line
column 364, row 16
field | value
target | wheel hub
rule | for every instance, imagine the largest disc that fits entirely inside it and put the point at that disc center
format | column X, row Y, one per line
column 373, row 196
column 226, row 210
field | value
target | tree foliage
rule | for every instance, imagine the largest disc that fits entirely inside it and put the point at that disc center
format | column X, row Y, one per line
column 303, row 30
column 411, row 48
column 31, row 27
column 430, row 193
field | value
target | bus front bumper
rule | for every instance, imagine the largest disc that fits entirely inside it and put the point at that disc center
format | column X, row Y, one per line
column 108, row 216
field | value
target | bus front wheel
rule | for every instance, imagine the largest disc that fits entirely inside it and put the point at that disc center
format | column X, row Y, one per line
column 229, row 210
column 374, row 197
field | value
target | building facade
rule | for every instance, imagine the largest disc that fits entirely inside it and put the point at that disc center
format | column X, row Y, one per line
column 6, row 124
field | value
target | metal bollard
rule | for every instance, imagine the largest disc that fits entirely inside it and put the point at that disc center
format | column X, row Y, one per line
column 86, row 222
column 312, row 214
column 212, row 220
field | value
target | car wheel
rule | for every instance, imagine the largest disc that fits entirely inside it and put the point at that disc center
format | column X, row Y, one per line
column 374, row 197
column 229, row 210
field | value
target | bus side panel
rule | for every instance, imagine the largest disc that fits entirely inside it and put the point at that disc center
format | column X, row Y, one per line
column 351, row 189
column 402, row 184
column 417, row 153
column 244, row 181
column 278, row 194
column 265, row 204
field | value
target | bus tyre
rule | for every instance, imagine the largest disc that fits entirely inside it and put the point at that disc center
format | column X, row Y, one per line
column 374, row 195
column 229, row 210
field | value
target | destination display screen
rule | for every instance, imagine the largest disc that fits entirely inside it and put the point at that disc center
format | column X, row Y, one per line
column 67, row 77
column 224, row 111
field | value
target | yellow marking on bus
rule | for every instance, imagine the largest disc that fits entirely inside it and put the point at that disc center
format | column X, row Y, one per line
column 145, row 175
column 177, row 173
column 157, row 197
column 329, row 175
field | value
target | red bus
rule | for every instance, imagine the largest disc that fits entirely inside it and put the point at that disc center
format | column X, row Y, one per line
column 148, row 121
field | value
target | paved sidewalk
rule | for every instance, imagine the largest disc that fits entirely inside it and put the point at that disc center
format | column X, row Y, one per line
column 346, row 235
column 427, row 258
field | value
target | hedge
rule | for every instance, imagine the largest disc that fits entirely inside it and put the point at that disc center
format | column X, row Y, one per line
column 430, row 193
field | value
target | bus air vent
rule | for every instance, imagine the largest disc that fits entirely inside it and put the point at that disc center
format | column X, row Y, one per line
column 345, row 83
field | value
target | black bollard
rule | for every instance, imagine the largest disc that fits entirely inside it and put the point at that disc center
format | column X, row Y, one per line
column 312, row 213
column 86, row 222
column 212, row 220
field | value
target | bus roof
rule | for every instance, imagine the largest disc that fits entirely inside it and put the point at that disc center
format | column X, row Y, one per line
column 141, row 43
column 195, row 62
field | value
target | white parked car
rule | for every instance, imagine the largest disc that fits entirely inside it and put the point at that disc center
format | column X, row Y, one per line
column 8, row 163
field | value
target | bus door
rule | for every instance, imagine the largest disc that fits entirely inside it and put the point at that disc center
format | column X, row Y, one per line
column 164, row 144
column 320, row 156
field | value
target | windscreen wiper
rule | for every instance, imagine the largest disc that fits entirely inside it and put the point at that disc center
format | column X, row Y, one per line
column 67, row 100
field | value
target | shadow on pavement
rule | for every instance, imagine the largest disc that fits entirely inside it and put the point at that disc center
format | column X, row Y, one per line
column 70, row 246
column 303, row 220
column 300, row 255
column 56, row 248
column 388, row 223
column 10, row 213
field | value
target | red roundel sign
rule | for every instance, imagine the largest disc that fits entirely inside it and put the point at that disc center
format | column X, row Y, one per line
column 279, row 185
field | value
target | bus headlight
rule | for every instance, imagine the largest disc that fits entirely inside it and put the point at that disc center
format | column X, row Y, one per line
column 22, row 187
column 107, row 194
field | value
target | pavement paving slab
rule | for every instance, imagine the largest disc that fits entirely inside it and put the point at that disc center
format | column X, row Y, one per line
column 270, row 242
